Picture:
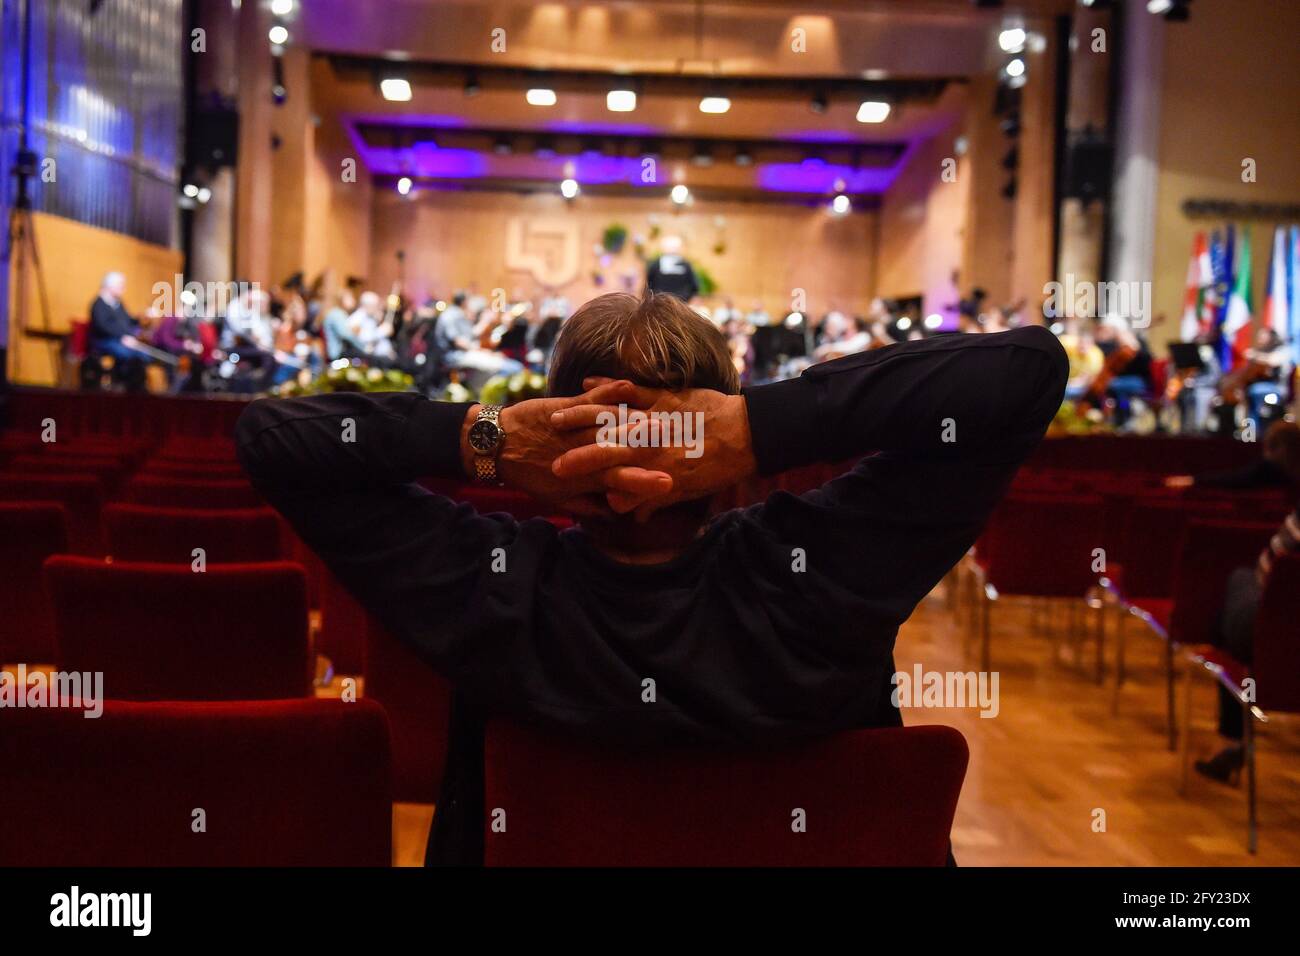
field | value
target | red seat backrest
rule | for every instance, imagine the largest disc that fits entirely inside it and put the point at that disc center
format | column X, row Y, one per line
column 881, row 797
column 417, row 700
column 78, row 341
column 165, row 632
column 29, row 533
column 81, row 495
column 280, row 783
column 1209, row 551
column 168, row 535
column 1042, row 545
column 1276, row 667
column 183, row 493
column 1151, row 541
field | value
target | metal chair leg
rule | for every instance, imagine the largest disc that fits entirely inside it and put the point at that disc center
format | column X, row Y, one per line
column 1169, row 694
column 1101, row 645
column 984, row 653
column 1248, row 739
column 1185, row 742
column 1119, row 659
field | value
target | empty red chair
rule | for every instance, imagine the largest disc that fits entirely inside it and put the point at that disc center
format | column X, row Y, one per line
column 865, row 798
column 417, row 700
column 192, row 470
column 165, row 632
column 141, row 533
column 278, row 783
column 183, row 493
column 1036, row 546
column 29, row 533
column 110, row 471
column 81, row 496
column 343, row 624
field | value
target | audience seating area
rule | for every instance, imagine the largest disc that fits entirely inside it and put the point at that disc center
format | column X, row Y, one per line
column 132, row 545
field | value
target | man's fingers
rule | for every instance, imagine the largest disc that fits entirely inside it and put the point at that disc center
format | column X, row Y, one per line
column 581, row 416
column 588, row 459
column 604, row 391
column 638, row 481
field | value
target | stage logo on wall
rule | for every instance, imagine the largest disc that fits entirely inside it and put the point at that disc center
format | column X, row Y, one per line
column 546, row 248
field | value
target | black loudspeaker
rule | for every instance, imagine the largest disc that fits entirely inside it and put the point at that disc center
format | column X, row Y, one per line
column 213, row 137
column 1087, row 170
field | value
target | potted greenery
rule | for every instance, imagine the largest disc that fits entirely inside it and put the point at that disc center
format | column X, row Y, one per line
column 614, row 237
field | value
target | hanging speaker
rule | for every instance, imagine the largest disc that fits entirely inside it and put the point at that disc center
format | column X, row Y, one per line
column 1087, row 170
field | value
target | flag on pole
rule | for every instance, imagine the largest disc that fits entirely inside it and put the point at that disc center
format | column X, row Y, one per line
column 1277, row 308
column 1200, row 280
column 1221, row 250
column 1293, row 269
column 1237, row 322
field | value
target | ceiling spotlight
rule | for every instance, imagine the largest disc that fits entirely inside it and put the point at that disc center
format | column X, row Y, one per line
column 1016, row 82
column 540, row 96
column 819, row 104
column 620, row 101
column 873, row 111
column 1012, row 40
column 190, row 190
column 282, row 8
column 904, row 323
column 1159, row 6
column 278, row 34
column 933, row 321
column 569, row 188
column 715, row 104
column 680, row 194
column 1016, row 68
column 840, row 204
column 395, row 89
column 404, row 185
column 702, row 156
column 204, row 194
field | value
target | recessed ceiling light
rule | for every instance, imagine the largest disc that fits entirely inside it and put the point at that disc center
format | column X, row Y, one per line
column 395, row 89
column 873, row 111
column 620, row 101
column 404, row 185
column 278, row 35
column 680, row 194
column 569, row 188
column 540, row 96
column 715, row 104
column 1012, row 40
column 840, row 204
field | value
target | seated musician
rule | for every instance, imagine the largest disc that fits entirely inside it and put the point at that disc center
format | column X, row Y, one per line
column 1128, row 362
column 459, row 338
column 115, row 333
column 1266, row 359
column 1086, row 359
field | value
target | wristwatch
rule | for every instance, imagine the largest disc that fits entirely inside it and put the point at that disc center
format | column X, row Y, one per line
column 486, row 436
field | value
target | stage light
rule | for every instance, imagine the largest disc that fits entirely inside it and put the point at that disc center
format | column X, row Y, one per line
column 278, row 35
column 204, row 194
column 840, row 204
column 404, row 185
column 1159, row 6
column 933, row 321
column 680, row 194
column 569, row 188
column 904, row 323
column 1012, row 40
column 395, row 89
column 620, row 101
column 715, row 104
column 190, row 190
column 1016, row 68
column 540, row 96
column 873, row 111
column 282, row 8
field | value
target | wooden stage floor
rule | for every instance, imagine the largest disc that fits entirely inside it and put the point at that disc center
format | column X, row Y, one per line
column 1054, row 754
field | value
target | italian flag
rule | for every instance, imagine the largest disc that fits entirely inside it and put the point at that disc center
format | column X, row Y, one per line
column 1200, row 284
column 1237, row 324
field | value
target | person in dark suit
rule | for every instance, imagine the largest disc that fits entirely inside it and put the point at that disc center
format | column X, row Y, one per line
column 113, row 332
column 670, row 273
column 770, row 623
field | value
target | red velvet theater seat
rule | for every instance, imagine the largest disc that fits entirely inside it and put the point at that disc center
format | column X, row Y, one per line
column 869, row 798
column 30, row 531
column 417, row 700
column 169, row 535
column 182, row 493
column 280, row 783
column 81, row 495
column 165, row 632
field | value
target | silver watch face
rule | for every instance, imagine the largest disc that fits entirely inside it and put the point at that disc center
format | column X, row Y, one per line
column 484, row 436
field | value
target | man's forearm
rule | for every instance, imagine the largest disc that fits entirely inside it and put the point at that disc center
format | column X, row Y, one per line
column 950, row 397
